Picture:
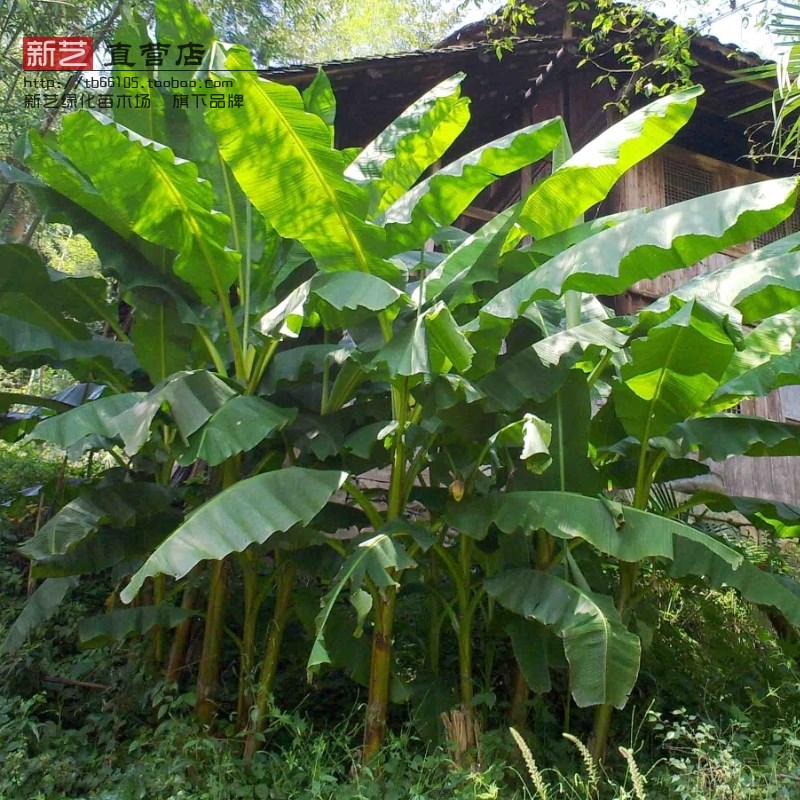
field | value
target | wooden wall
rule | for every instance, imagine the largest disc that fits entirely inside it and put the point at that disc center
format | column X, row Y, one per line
column 773, row 478
column 644, row 186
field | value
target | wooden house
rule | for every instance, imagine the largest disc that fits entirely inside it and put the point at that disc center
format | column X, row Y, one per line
column 539, row 79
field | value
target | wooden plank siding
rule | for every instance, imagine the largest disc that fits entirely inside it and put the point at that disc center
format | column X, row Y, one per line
column 644, row 186
column 774, row 478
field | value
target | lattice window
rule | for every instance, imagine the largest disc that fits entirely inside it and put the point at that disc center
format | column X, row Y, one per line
column 737, row 409
column 684, row 181
column 791, row 225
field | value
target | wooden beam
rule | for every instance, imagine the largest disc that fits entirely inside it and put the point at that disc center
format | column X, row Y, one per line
column 732, row 73
column 473, row 212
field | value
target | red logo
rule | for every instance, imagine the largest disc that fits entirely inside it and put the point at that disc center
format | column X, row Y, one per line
column 50, row 53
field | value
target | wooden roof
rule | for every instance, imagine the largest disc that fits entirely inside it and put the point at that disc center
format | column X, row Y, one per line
column 376, row 89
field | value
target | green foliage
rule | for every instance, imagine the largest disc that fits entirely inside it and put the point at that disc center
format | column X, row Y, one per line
column 333, row 29
column 24, row 465
column 40, row 606
column 317, row 432
column 603, row 656
column 265, row 504
column 135, row 740
column 587, row 177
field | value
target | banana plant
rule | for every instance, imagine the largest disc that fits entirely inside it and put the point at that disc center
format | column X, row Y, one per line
column 280, row 327
column 662, row 402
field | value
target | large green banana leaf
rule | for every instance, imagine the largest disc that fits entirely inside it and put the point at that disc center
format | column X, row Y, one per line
column 33, row 312
column 627, row 533
column 603, row 655
column 110, row 546
column 441, row 198
column 649, row 245
column 43, row 157
column 775, row 336
column 541, row 250
column 123, row 255
column 162, row 198
column 147, row 118
column 372, row 558
column 44, row 315
column 783, row 519
column 477, row 258
column 290, row 365
column 723, row 435
column 672, row 372
column 529, row 641
column 286, row 319
column 23, row 344
column 420, row 136
column 760, row 380
column 537, row 371
column 248, row 512
column 162, row 341
column 575, row 341
column 428, row 343
column 319, row 99
column 587, row 177
column 192, row 398
column 774, row 287
column 340, row 300
column 568, row 412
column 22, row 272
column 518, row 379
column 760, row 284
column 88, row 421
column 128, row 258
column 307, row 198
column 754, row 584
column 236, row 427
column 180, row 23
column 105, row 629
column 532, row 435
column 120, row 506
